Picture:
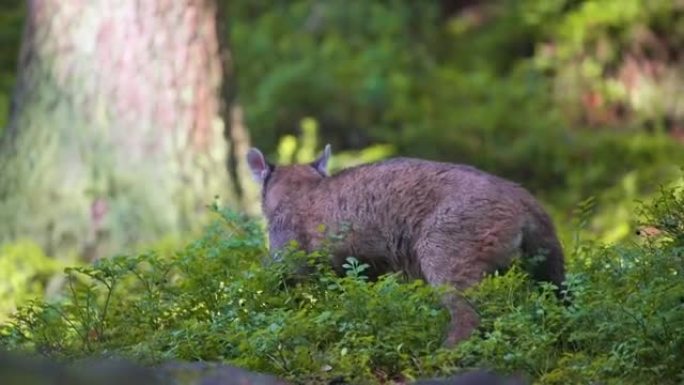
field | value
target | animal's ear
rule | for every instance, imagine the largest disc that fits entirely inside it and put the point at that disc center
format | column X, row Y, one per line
column 258, row 165
column 321, row 164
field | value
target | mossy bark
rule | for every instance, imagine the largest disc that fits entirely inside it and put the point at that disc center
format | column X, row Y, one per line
column 115, row 137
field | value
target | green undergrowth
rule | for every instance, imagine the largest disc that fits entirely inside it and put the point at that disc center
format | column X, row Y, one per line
column 25, row 271
column 221, row 299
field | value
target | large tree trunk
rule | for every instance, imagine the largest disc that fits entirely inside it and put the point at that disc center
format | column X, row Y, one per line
column 115, row 137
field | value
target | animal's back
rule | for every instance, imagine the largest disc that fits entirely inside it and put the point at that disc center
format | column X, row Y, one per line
column 407, row 182
column 394, row 204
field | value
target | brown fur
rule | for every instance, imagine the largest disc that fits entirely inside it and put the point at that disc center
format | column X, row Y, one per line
column 441, row 222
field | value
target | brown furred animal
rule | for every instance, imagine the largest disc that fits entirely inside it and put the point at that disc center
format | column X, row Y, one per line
column 441, row 222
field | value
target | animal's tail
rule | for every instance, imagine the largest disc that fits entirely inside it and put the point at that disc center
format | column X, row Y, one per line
column 542, row 252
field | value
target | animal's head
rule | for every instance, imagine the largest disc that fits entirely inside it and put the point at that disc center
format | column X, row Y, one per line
column 279, row 183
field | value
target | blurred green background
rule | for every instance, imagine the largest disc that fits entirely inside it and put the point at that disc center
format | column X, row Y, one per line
column 573, row 99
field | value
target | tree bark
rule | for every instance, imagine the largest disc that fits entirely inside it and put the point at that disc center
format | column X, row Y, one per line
column 115, row 137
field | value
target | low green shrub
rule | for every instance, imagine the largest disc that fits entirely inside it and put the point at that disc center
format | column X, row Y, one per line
column 217, row 300
column 222, row 298
column 25, row 273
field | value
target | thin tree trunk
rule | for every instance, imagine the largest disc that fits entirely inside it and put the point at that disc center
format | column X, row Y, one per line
column 115, row 137
column 231, row 112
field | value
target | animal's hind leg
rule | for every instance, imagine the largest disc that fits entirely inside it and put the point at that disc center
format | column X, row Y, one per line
column 440, row 266
column 461, row 258
column 464, row 318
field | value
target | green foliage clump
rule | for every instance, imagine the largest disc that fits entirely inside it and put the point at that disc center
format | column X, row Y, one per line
column 623, row 326
column 24, row 274
column 221, row 298
column 217, row 300
column 343, row 63
column 666, row 213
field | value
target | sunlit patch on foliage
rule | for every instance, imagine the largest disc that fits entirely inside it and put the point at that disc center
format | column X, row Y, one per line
column 24, row 274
